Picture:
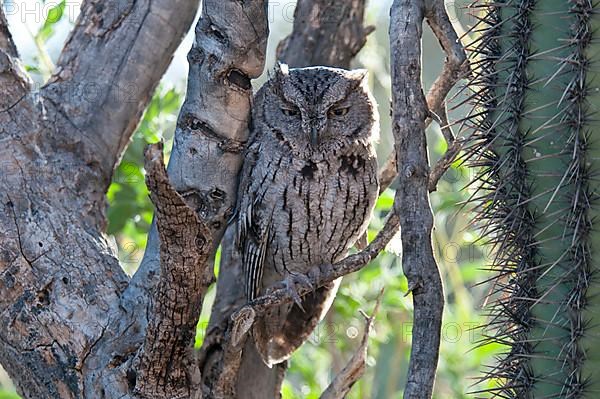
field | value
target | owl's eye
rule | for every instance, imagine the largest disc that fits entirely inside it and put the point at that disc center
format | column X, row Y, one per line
column 290, row 111
column 339, row 111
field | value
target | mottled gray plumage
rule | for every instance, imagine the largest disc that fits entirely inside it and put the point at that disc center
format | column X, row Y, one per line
column 307, row 190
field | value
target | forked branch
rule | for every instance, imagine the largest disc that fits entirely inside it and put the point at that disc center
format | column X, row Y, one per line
column 108, row 69
column 455, row 66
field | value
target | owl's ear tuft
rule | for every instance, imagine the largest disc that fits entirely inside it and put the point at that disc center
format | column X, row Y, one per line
column 280, row 73
column 359, row 76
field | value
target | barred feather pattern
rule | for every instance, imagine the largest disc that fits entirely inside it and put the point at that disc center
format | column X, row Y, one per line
column 302, row 205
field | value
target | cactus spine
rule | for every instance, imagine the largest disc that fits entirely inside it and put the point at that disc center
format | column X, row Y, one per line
column 536, row 140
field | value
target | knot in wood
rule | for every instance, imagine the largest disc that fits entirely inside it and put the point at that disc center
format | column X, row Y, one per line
column 195, row 55
column 200, row 241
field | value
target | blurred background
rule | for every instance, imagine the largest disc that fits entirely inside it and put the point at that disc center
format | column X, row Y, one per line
column 40, row 29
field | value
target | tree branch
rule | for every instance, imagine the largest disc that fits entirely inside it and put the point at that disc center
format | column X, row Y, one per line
column 228, row 51
column 325, row 33
column 455, row 145
column 353, row 371
column 212, row 127
column 108, row 69
column 455, row 66
column 409, row 112
column 15, row 84
column 166, row 364
column 322, row 275
column 6, row 41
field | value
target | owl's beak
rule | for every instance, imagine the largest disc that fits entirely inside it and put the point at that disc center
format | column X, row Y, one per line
column 316, row 130
column 314, row 135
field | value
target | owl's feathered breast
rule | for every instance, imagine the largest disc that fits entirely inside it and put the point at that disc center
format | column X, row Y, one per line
column 298, row 212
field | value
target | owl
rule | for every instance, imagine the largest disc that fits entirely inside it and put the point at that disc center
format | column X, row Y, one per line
column 307, row 190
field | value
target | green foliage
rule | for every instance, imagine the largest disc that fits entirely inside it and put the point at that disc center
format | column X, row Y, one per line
column 8, row 394
column 130, row 211
column 54, row 15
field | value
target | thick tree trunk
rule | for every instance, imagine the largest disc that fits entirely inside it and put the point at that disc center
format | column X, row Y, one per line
column 61, row 284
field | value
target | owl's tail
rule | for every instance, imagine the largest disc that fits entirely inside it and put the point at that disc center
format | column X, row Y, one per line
column 284, row 328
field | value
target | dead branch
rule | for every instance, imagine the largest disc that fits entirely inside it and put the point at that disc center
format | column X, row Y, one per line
column 353, row 371
column 166, row 366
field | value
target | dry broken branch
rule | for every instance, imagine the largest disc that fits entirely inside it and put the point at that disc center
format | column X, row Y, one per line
column 353, row 371
column 166, row 366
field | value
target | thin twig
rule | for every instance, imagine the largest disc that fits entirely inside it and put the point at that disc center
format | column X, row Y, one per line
column 455, row 145
column 345, row 379
column 328, row 273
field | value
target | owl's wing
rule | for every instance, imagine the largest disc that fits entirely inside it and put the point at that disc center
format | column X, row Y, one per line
column 252, row 230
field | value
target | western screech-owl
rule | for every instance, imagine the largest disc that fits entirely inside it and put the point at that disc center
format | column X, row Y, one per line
column 307, row 190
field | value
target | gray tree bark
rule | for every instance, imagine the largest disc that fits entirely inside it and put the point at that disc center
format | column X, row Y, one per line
column 77, row 326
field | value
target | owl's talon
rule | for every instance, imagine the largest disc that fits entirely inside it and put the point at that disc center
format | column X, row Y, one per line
column 295, row 283
column 317, row 272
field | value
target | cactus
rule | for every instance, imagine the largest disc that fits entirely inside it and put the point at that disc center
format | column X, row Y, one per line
column 535, row 140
